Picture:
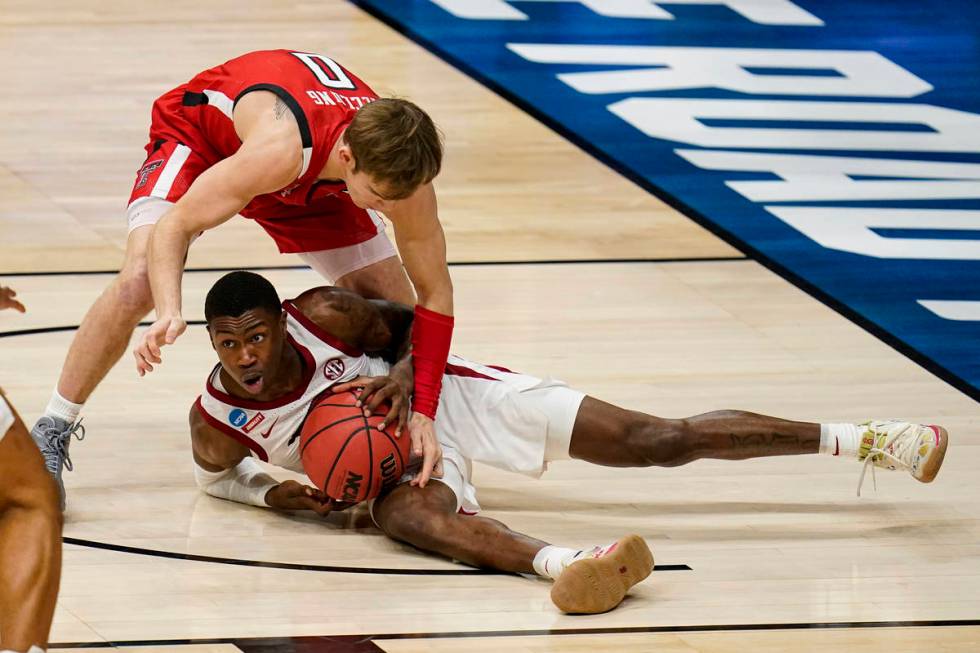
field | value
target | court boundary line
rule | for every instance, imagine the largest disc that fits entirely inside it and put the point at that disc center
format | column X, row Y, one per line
column 751, row 252
column 452, row 264
column 288, row 643
column 297, row 566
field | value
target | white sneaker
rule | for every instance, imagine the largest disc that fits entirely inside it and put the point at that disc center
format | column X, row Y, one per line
column 918, row 448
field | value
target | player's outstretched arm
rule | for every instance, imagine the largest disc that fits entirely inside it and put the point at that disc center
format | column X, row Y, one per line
column 270, row 158
column 224, row 469
column 422, row 245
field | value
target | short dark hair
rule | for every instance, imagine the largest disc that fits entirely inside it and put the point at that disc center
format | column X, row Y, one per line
column 238, row 292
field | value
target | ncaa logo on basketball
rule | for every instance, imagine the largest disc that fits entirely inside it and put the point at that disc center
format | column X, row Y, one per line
column 237, row 417
column 334, row 368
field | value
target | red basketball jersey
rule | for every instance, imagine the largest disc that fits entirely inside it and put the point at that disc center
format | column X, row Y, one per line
column 322, row 95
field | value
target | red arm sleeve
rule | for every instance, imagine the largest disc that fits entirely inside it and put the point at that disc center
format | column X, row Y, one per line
column 432, row 334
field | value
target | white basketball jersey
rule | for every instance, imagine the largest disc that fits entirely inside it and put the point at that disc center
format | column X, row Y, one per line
column 270, row 429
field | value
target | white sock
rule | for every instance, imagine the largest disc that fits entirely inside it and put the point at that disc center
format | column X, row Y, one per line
column 551, row 561
column 840, row 439
column 33, row 649
column 62, row 408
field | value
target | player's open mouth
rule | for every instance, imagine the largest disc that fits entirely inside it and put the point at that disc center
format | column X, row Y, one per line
column 252, row 382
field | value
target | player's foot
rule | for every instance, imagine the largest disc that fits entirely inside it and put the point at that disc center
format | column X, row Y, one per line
column 52, row 435
column 918, row 448
column 600, row 582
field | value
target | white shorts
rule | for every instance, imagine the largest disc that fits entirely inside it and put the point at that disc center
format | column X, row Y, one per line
column 511, row 421
column 6, row 418
column 331, row 264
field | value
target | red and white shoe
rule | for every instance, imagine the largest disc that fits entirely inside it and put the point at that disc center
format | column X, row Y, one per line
column 917, row 448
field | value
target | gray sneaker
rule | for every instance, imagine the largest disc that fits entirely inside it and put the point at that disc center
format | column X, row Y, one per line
column 52, row 435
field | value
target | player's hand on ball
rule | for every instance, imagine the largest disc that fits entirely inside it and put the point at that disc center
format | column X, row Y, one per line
column 424, row 443
column 290, row 495
column 7, row 300
column 379, row 390
column 164, row 331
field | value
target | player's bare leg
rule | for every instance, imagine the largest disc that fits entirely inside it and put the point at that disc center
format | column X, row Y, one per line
column 385, row 279
column 104, row 334
column 585, row 581
column 98, row 345
column 608, row 435
column 30, row 542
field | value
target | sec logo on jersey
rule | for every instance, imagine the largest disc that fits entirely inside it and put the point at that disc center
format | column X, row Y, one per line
column 333, row 369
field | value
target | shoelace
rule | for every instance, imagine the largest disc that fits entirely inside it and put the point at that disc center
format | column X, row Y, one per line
column 902, row 456
column 56, row 452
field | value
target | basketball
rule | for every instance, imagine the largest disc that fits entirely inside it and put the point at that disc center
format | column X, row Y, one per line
column 345, row 454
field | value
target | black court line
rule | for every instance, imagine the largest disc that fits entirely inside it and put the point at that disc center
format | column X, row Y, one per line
column 58, row 329
column 757, row 255
column 452, row 264
column 368, row 643
column 173, row 555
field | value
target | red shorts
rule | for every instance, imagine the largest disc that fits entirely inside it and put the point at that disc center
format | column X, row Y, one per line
column 177, row 153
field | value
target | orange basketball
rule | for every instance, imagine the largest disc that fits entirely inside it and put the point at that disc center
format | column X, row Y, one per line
column 345, row 454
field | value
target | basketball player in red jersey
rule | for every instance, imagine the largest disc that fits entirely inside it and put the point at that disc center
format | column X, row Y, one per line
column 30, row 532
column 274, row 363
column 302, row 146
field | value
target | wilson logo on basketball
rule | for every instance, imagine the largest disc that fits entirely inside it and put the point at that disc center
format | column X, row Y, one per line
column 334, row 368
column 389, row 471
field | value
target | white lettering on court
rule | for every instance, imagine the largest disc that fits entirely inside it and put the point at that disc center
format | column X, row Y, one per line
column 764, row 12
column 680, row 119
column 859, row 73
column 804, row 178
column 849, row 229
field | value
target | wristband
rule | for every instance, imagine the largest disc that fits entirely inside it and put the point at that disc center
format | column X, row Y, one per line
column 431, row 335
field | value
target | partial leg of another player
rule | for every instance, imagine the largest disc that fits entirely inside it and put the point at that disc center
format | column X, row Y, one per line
column 589, row 581
column 371, row 268
column 382, row 280
column 608, row 435
column 30, row 539
column 98, row 344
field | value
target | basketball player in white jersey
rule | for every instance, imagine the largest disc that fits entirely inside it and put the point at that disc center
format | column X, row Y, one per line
column 274, row 363
column 30, row 531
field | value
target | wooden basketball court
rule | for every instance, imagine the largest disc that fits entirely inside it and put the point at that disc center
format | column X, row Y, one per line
column 561, row 268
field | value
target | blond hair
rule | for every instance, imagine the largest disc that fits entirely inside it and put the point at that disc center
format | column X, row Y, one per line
column 397, row 144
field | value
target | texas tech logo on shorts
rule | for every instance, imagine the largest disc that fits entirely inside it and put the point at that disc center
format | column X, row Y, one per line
column 334, row 368
column 146, row 171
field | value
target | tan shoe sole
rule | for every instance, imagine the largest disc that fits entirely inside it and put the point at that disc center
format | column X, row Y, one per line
column 598, row 585
column 935, row 461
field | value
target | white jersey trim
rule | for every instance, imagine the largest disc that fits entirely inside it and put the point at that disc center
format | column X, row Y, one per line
column 170, row 171
column 221, row 102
